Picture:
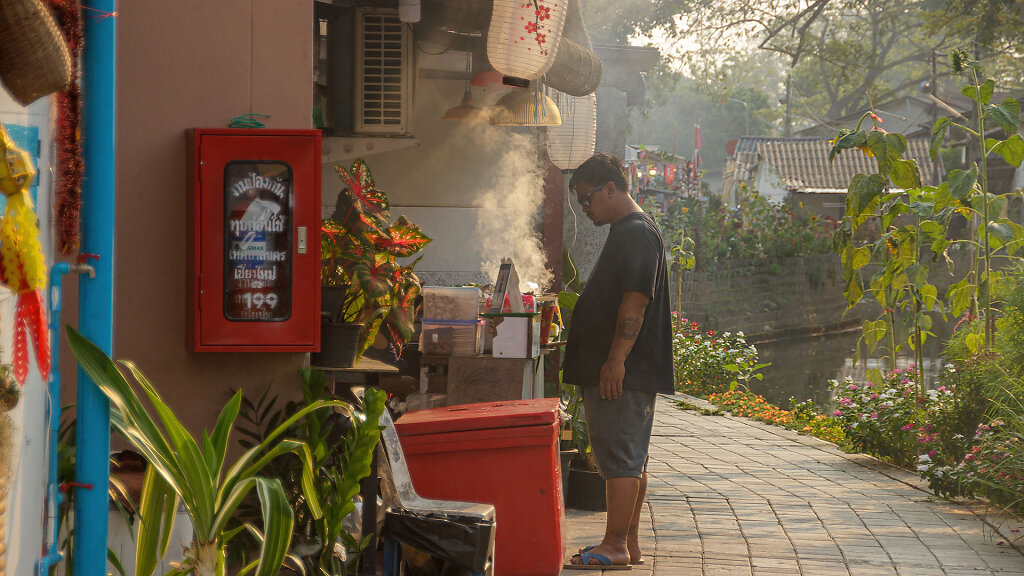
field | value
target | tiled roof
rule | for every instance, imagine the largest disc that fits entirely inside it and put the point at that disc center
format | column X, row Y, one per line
column 803, row 164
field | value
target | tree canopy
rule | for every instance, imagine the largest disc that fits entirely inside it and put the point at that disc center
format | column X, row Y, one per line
column 840, row 52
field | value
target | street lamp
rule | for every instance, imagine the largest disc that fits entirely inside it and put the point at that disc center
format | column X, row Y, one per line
column 746, row 115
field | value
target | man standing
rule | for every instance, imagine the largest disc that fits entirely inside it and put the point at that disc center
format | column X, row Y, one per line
column 619, row 351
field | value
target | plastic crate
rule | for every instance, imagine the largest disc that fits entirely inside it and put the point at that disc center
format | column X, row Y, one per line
column 451, row 337
column 446, row 303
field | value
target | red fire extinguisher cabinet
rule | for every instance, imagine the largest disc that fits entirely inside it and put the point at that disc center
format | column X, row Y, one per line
column 254, row 240
column 500, row 453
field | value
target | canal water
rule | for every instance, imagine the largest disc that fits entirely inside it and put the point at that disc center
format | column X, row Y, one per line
column 801, row 367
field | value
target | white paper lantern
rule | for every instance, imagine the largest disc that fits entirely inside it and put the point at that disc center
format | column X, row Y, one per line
column 573, row 141
column 523, row 37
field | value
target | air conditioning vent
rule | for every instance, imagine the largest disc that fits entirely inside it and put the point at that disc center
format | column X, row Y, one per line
column 385, row 72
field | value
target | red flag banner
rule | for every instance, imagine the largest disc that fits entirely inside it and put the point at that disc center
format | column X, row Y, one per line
column 696, row 143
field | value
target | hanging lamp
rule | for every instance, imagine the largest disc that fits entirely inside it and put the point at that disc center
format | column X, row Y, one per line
column 572, row 142
column 523, row 37
column 489, row 80
column 466, row 110
column 525, row 107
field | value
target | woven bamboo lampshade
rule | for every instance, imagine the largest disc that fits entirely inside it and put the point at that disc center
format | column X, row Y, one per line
column 573, row 141
column 523, row 37
column 525, row 107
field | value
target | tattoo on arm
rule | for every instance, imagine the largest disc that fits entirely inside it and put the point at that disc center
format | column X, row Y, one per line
column 630, row 327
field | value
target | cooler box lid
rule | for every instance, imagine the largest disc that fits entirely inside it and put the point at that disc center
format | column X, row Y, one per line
column 483, row 416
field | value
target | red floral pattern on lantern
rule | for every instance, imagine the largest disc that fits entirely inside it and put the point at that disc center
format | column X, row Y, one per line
column 534, row 26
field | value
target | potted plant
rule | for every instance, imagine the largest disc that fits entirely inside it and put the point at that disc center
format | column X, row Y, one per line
column 198, row 473
column 359, row 252
column 342, row 446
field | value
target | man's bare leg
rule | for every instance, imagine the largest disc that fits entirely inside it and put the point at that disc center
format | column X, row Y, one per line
column 633, row 537
column 621, row 498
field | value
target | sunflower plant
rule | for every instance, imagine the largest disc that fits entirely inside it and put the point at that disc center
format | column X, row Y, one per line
column 914, row 224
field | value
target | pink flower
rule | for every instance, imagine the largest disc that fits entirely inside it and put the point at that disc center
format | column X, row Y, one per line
column 854, row 387
column 874, row 415
column 907, row 427
column 932, row 453
column 837, row 413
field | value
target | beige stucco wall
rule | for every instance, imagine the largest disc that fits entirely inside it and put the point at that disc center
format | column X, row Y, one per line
column 476, row 189
column 192, row 63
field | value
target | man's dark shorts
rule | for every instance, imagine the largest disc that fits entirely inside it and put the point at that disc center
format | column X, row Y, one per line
column 620, row 430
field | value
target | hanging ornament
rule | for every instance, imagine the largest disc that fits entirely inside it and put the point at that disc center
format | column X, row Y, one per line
column 22, row 267
column 573, row 141
column 68, row 181
column 523, row 37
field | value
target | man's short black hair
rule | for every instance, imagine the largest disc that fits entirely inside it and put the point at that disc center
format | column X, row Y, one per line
column 599, row 169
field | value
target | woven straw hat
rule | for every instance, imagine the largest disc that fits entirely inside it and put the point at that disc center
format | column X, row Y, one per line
column 34, row 58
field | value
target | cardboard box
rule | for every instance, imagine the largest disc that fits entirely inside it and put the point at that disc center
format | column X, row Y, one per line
column 516, row 336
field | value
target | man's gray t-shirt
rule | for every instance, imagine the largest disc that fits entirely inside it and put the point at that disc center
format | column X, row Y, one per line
column 633, row 258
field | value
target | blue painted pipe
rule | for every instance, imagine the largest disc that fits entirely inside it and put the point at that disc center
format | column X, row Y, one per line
column 53, row 495
column 96, row 295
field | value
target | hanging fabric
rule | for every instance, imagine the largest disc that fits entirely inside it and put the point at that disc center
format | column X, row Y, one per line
column 22, row 267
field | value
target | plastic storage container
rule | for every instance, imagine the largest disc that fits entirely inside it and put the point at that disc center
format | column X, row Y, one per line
column 444, row 303
column 451, row 337
column 500, row 453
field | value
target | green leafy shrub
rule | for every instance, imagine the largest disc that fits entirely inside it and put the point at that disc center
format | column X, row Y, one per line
column 882, row 420
column 756, row 228
column 807, row 420
column 706, row 362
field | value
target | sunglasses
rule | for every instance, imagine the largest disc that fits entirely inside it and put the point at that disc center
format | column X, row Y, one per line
column 585, row 200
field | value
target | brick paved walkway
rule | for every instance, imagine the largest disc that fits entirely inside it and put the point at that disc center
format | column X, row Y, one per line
column 730, row 496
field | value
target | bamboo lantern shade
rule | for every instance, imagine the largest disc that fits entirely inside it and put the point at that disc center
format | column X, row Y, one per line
column 523, row 37
column 525, row 107
column 573, row 142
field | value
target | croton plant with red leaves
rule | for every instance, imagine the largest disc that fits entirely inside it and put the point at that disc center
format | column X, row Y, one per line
column 360, row 252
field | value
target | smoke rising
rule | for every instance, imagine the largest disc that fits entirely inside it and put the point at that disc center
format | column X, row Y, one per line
column 510, row 210
column 498, row 170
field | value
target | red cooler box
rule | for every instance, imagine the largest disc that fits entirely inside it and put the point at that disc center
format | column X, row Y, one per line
column 500, row 453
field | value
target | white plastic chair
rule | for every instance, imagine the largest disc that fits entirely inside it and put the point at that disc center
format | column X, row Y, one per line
column 411, row 514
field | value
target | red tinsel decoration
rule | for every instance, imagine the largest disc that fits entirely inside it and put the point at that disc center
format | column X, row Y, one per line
column 68, row 188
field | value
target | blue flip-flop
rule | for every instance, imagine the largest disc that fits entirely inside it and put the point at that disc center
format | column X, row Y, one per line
column 639, row 562
column 605, row 563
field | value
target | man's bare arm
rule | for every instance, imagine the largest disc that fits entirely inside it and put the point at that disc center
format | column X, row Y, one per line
column 629, row 320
